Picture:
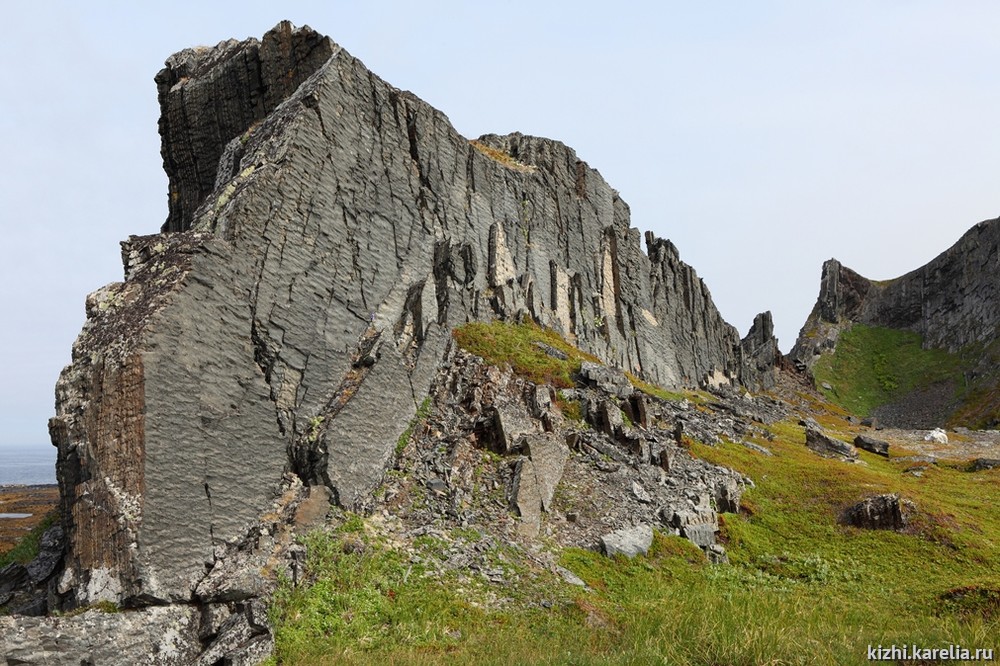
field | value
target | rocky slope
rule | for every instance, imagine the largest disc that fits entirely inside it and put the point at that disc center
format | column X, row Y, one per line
column 326, row 232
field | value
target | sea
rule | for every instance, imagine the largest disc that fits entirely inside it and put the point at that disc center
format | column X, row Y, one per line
column 27, row 465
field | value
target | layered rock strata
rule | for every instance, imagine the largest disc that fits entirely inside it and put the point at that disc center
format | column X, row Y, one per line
column 326, row 232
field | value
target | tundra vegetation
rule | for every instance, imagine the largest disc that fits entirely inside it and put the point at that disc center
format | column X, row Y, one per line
column 800, row 588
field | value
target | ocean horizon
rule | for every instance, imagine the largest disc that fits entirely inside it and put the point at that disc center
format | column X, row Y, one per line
column 28, row 465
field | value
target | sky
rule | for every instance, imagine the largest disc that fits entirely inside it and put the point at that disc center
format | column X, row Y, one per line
column 762, row 138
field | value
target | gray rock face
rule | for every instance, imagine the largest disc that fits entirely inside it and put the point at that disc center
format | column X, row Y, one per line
column 536, row 478
column 829, row 447
column 158, row 635
column 326, row 232
column 951, row 301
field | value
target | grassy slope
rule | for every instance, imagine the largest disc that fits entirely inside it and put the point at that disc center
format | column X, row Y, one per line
column 873, row 366
column 800, row 589
column 517, row 345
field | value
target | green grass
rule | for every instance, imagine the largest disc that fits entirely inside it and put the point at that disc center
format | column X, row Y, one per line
column 801, row 589
column 27, row 548
column 515, row 345
column 873, row 366
column 503, row 343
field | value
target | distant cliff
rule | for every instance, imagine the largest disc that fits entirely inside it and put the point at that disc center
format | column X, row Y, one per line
column 952, row 303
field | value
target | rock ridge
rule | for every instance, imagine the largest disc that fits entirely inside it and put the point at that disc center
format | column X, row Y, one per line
column 950, row 301
column 326, row 232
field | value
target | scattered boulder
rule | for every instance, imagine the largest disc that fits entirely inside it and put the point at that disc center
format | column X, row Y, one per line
column 506, row 425
column 937, row 435
column 640, row 493
column 727, row 495
column 758, row 448
column 552, row 351
column 629, row 542
column 980, row 464
column 872, row 445
column 717, row 554
column 829, row 447
column 881, row 512
column 569, row 576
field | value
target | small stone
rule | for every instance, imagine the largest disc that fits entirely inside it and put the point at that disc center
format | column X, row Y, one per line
column 437, row 485
column 640, row 493
column 570, row 577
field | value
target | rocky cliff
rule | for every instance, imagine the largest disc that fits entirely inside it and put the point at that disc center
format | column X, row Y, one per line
column 326, row 232
column 950, row 302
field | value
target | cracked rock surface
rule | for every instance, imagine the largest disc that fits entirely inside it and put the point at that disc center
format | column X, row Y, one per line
column 326, row 232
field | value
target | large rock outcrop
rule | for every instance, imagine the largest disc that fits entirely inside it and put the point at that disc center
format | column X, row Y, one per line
column 951, row 302
column 326, row 232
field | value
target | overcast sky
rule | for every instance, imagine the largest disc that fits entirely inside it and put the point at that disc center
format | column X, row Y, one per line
column 762, row 138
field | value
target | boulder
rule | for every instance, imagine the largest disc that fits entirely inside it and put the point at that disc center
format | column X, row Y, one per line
column 608, row 379
column 980, row 464
column 699, row 525
column 829, row 447
column 872, row 445
column 629, row 542
column 881, row 512
column 937, row 435
column 535, row 479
